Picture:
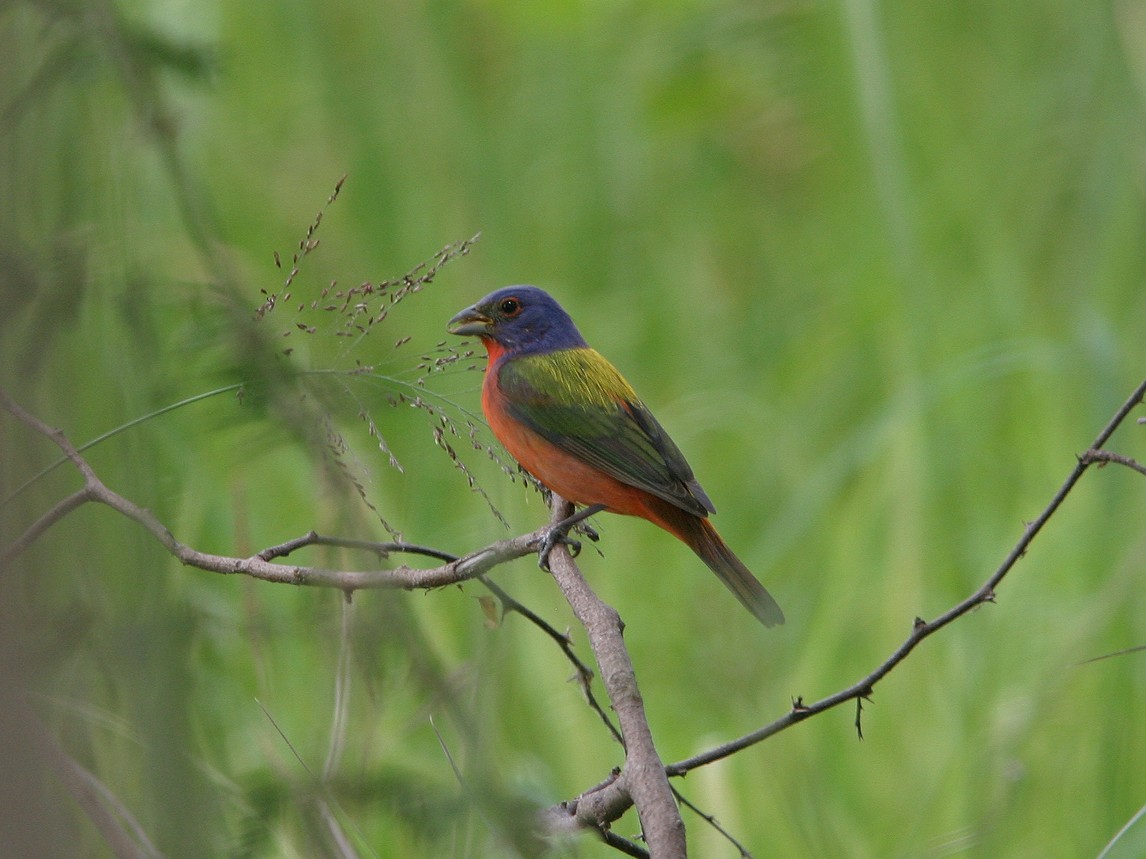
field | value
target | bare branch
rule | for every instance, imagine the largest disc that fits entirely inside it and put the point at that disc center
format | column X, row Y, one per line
column 711, row 820
column 470, row 566
column 59, row 510
column 1102, row 457
column 643, row 776
column 608, row 800
column 922, row 629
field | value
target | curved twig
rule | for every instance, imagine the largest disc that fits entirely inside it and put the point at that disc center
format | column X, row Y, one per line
column 583, row 673
column 258, row 566
column 1102, row 457
column 922, row 629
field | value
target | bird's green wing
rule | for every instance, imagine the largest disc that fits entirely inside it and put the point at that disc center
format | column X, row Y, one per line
column 577, row 400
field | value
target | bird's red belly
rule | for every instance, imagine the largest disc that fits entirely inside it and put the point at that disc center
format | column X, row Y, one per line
column 563, row 473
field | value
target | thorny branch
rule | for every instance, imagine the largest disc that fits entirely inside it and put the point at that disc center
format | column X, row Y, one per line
column 921, row 629
column 610, row 799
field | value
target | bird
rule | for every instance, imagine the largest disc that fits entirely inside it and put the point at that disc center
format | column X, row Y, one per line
column 571, row 420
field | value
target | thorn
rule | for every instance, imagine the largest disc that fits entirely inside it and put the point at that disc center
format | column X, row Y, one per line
column 918, row 624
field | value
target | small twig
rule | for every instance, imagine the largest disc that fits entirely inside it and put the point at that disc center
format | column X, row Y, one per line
column 449, row 757
column 381, row 549
column 1126, row 827
column 859, row 714
column 58, row 511
column 1126, row 651
column 310, row 538
column 624, row 845
column 711, row 821
column 1102, row 457
column 582, row 672
column 99, row 439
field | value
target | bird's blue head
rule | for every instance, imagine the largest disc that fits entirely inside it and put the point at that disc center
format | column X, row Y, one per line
column 519, row 320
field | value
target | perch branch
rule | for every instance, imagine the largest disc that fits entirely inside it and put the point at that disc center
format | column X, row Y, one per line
column 257, row 566
column 643, row 776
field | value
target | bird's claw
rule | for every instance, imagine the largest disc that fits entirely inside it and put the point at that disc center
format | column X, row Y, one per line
column 559, row 533
column 554, row 536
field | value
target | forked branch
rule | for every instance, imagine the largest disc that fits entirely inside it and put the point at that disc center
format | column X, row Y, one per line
column 259, row 566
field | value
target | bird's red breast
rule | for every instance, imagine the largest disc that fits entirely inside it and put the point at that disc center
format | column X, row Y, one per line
column 558, row 470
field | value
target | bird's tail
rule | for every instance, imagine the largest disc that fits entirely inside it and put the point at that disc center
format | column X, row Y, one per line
column 702, row 538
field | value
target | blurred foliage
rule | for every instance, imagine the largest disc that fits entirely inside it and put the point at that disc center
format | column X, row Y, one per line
column 878, row 267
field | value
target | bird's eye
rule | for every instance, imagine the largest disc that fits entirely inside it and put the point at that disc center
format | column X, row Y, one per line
column 510, row 307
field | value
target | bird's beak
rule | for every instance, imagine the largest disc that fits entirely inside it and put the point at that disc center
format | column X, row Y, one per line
column 470, row 321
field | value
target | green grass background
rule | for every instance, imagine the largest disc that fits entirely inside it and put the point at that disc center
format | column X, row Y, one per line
column 879, row 269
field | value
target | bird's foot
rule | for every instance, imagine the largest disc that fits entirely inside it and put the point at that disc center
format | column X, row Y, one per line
column 559, row 534
column 554, row 536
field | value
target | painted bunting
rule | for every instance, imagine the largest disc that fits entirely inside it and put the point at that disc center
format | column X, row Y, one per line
column 573, row 422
